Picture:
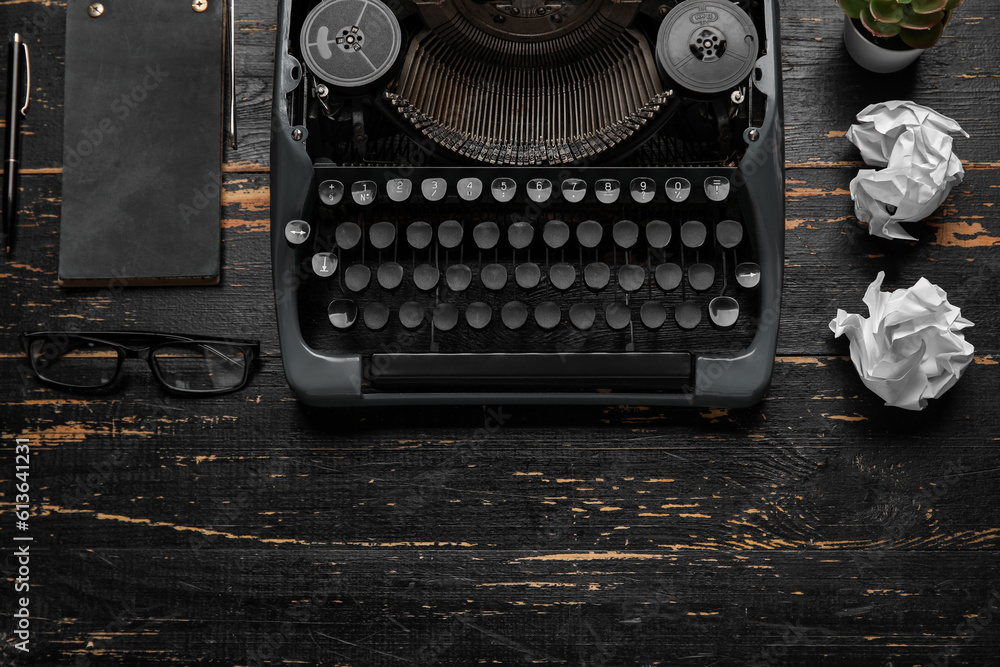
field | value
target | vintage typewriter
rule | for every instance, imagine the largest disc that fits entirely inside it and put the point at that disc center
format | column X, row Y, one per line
column 546, row 201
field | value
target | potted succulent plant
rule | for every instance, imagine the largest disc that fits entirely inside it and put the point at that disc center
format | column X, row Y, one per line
column 887, row 35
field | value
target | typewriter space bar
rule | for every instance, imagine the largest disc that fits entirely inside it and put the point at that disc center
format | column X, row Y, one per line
column 663, row 371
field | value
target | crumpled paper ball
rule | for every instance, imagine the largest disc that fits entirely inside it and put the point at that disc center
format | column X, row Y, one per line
column 914, row 146
column 911, row 347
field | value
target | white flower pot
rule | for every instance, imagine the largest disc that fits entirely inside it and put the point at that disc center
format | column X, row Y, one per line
column 873, row 57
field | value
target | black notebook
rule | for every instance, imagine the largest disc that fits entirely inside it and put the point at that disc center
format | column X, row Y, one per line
column 143, row 143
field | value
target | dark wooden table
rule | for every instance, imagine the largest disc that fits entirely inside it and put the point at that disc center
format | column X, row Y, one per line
column 818, row 528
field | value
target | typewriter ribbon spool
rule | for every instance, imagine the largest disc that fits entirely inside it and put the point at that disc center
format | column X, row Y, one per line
column 707, row 47
column 351, row 44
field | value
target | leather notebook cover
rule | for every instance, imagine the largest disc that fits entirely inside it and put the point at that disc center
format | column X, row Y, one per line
column 142, row 144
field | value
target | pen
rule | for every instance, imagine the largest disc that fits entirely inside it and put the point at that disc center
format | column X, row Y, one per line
column 17, row 107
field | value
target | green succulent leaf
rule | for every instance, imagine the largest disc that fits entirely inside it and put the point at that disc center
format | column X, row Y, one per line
column 952, row 4
column 878, row 28
column 922, row 39
column 921, row 21
column 887, row 11
column 928, row 6
column 853, row 8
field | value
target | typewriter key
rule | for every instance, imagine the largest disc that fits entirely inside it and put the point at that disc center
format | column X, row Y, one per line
column 458, row 277
column 555, row 234
column 589, row 233
column 688, row 315
column 643, row 190
column 630, row 277
column 426, row 277
column 514, row 315
column 450, row 233
column 399, row 189
column 547, row 315
column 678, row 189
column 469, row 189
column 418, row 235
column 729, row 233
column 486, row 235
column 562, row 275
column 347, row 235
column 324, row 264
column 363, row 192
column 390, row 275
column 520, row 235
column 445, row 317
column 717, row 188
column 297, row 231
column 331, row 192
column 574, row 190
column 607, row 190
column 582, row 315
column 382, row 234
column 503, row 189
column 357, row 277
column 653, row 314
column 693, row 234
column 668, row 276
column 494, row 276
column 411, row 314
column 724, row 311
column 376, row 316
column 658, row 234
column 701, row 276
column 618, row 315
column 597, row 275
column 539, row 190
column 343, row 313
column 527, row 275
column 478, row 315
column 625, row 233
column 434, row 189
column 748, row 274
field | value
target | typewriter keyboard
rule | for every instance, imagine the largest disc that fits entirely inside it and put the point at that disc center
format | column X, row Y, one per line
column 549, row 260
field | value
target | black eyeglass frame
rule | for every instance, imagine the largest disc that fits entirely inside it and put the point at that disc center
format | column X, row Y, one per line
column 141, row 345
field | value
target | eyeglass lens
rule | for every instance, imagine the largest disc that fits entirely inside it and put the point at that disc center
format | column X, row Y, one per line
column 74, row 361
column 200, row 366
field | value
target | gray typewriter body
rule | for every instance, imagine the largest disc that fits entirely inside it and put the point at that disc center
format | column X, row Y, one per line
column 527, row 202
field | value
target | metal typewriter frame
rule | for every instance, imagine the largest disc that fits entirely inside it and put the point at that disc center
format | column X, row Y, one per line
column 724, row 380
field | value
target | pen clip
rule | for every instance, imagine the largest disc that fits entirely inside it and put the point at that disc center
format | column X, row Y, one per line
column 231, row 57
column 27, row 67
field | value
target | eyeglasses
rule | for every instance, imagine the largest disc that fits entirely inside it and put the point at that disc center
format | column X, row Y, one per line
column 185, row 364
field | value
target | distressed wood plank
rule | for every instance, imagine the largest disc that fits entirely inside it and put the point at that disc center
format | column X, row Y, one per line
column 818, row 527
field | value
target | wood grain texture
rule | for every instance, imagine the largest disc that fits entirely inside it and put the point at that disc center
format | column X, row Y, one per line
column 818, row 527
